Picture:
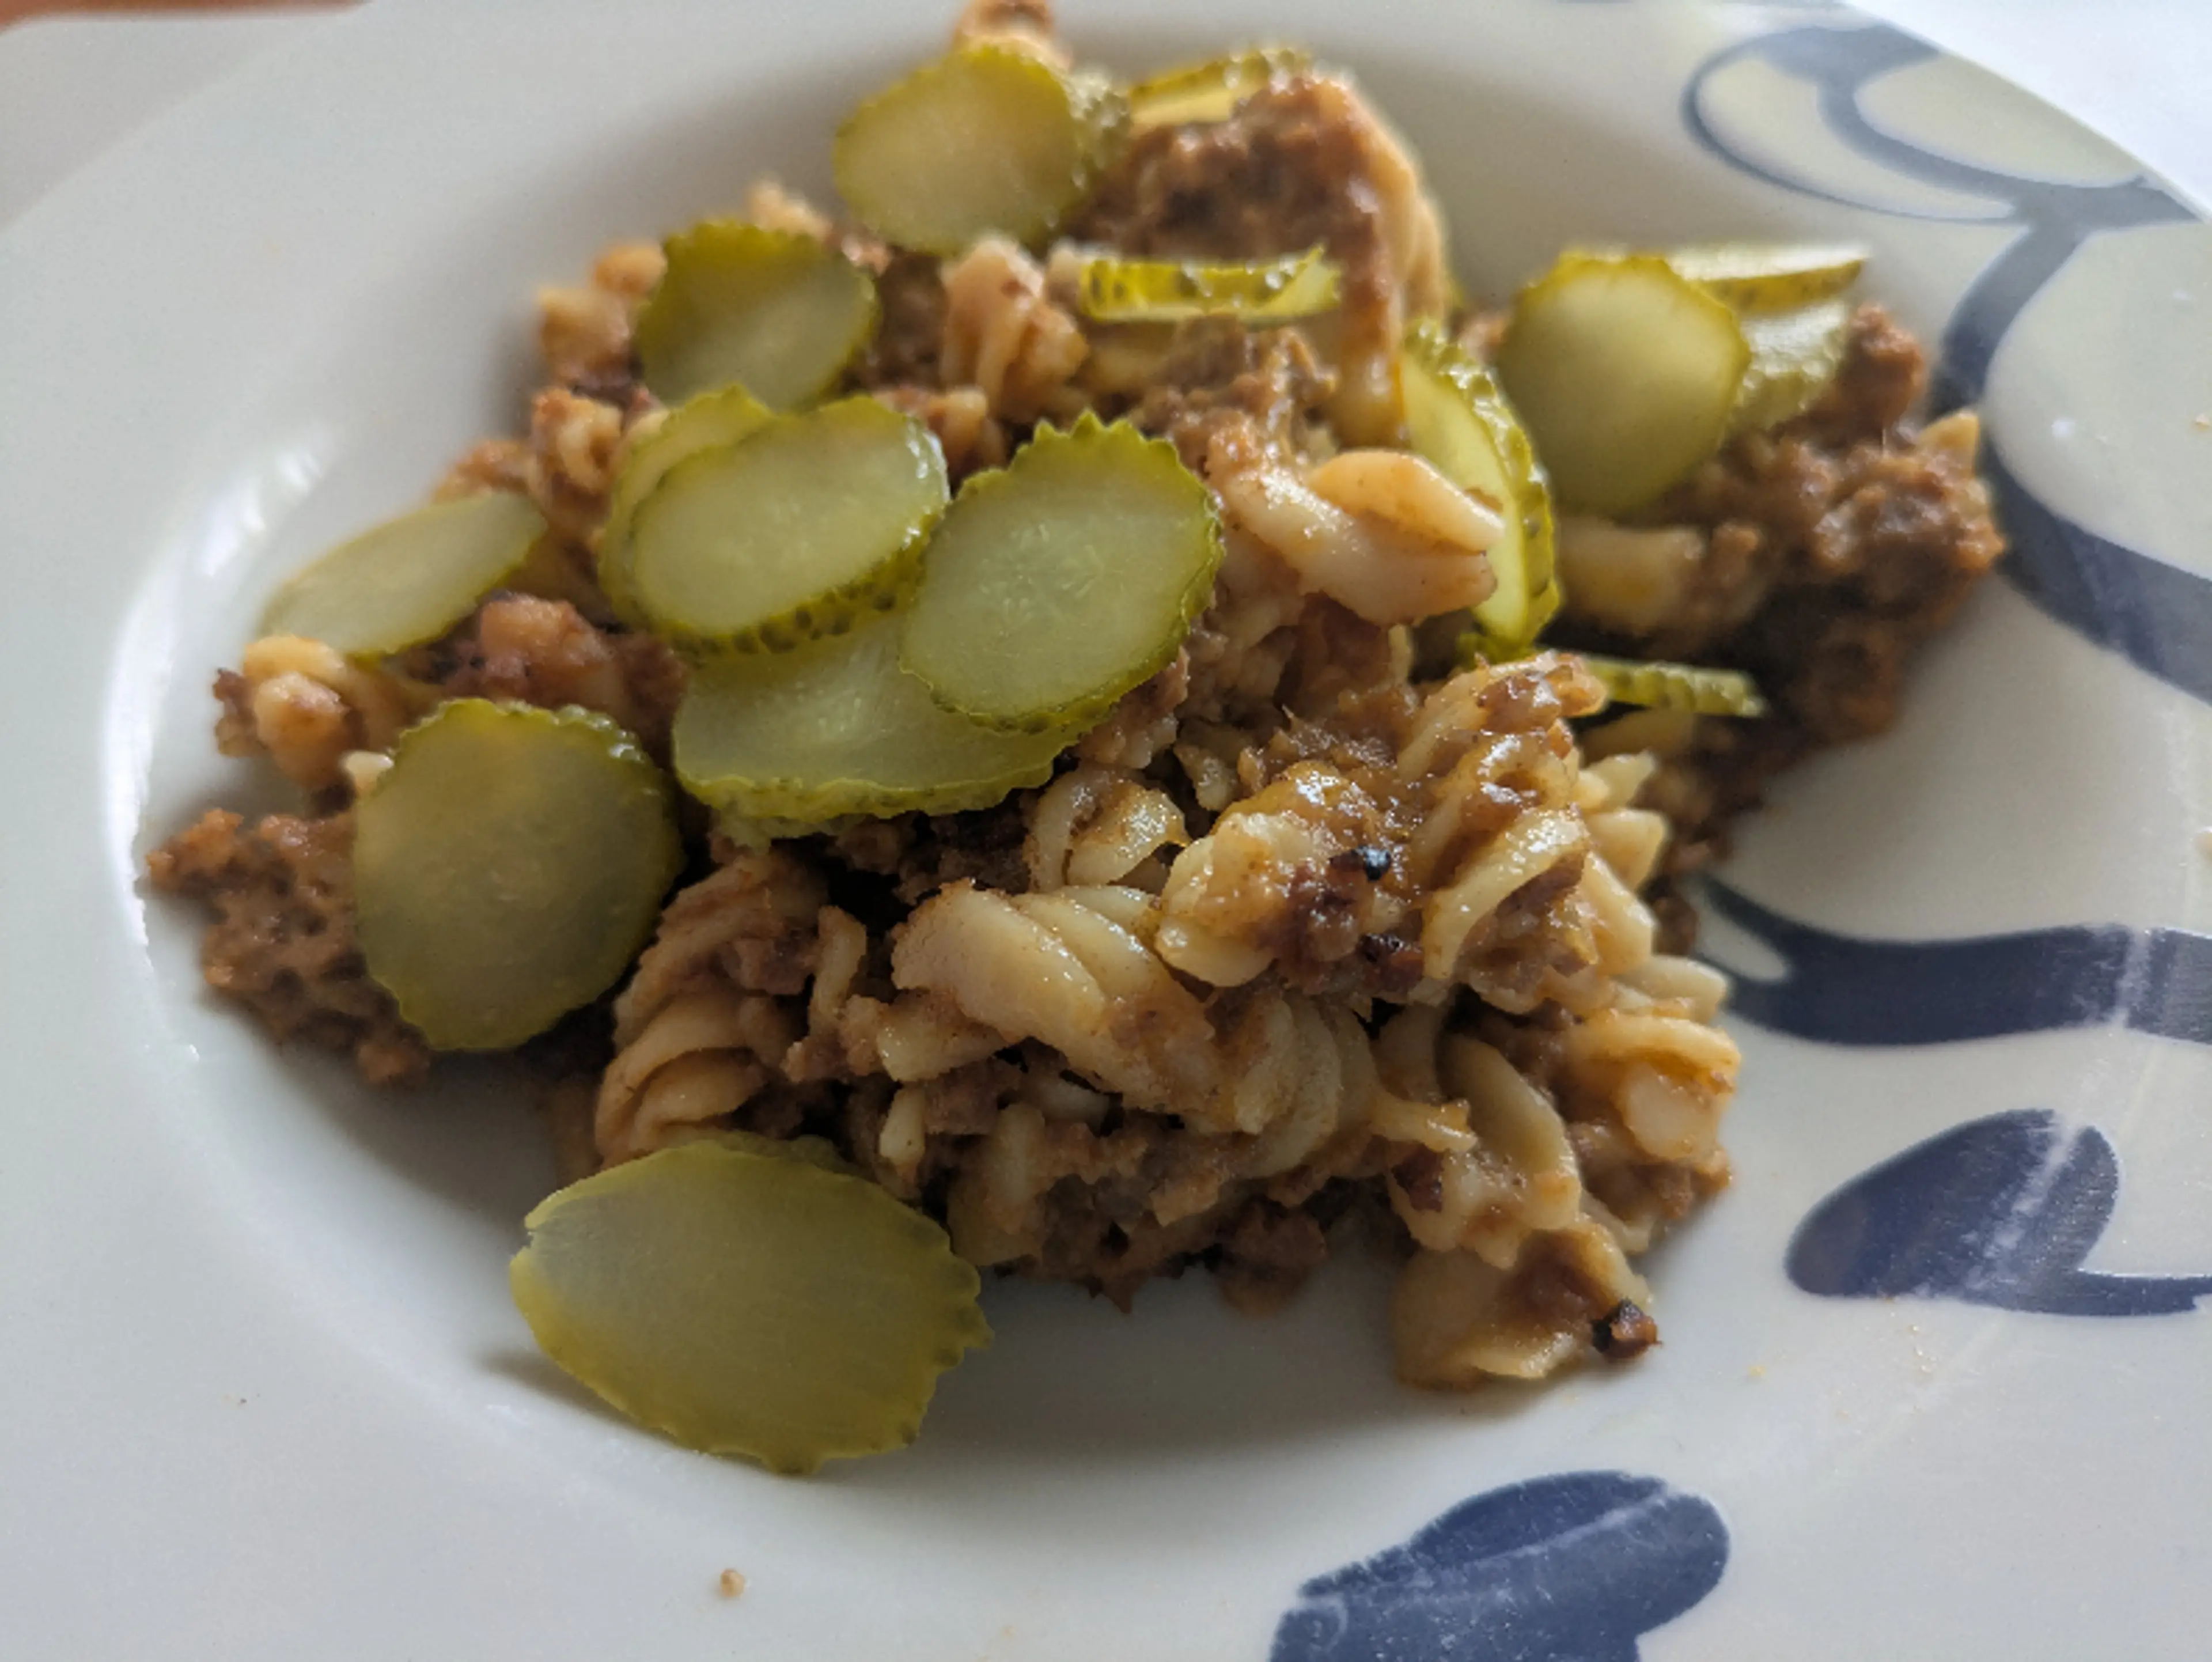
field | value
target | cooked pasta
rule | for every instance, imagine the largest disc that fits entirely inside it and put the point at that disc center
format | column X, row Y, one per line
column 1004, row 336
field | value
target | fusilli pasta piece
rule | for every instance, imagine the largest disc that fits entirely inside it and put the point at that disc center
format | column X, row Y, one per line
column 1005, row 334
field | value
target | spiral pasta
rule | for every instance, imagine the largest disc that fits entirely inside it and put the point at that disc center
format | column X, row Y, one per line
column 1005, row 335
column 309, row 708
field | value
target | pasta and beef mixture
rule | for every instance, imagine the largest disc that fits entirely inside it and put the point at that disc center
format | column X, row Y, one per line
column 1357, row 914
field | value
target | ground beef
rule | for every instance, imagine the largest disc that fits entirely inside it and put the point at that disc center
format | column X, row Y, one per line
column 1220, row 372
column 546, row 652
column 1302, row 163
column 1837, row 543
column 911, row 291
column 283, row 941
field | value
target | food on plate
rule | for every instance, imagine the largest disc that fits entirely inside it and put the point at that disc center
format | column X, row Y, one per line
column 410, row 579
column 776, row 312
column 800, row 528
column 751, row 1297
column 507, row 864
column 1144, row 730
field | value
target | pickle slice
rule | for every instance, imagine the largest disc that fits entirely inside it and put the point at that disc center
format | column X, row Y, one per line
column 798, row 530
column 1793, row 356
column 801, row 739
column 1208, row 92
column 1625, row 374
column 1112, row 289
column 1686, row 687
column 708, row 422
column 507, row 866
column 749, row 1303
column 774, row 311
column 410, row 579
column 987, row 139
column 1458, row 420
column 809, row 1150
column 1058, row 583
column 1770, row 277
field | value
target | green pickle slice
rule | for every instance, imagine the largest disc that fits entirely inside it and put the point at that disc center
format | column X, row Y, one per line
column 1059, row 582
column 987, row 139
column 1209, row 92
column 812, row 1150
column 507, row 866
column 749, row 1303
column 1459, row 420
column 1626, row 373
column 1770, row 277
column 410, row 579
column 837, row 729
column 1687, row 687
column 800, row 529
column 1113, row 289
column 774, row 311
column 708, row 422
column 1794, row 355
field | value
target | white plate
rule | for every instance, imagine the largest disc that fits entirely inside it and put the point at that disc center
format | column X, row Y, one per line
column 264, row 1395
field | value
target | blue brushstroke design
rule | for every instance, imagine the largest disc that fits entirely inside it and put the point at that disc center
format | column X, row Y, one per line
column 1573, row 1567
column 2156, row 615
column 1999, row 1211
column 1856, row 990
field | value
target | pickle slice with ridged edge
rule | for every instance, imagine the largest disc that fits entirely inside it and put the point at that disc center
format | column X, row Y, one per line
column 811, row 1150
column 749, row 1303
column 799, row 740
column 1201, row 93
column 987, row 139
column 1056, row 584
column 800, row 529
column 1625, row 373
column 1113, row 289
column 507, row 866
column 410, row 579
column 708, row 422
column 1458, row 420
column 775, row 312
column 1686, row 687
column 1770, row 277
column 1795, row 356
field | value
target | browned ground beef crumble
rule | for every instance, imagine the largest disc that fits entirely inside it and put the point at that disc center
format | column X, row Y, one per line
column 283, row 941
column 1838, row 547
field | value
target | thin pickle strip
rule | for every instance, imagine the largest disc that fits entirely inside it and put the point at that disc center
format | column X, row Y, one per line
column 1191, row 94
column 775, row 312
column 749, row 1302
column 410, row 579
column 804, row 526
column 1687, row 687
column 1113, row 289
column 1794, row 355
column 507, row 866
column 1770, row 277
column 837, row 729
column 1058, row 583
column 1459, row 420
column 988, row 139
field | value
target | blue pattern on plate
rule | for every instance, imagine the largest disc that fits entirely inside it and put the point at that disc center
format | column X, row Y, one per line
column 1851, row 990
column 1573, row 1567
column 1999, row 1211
column 2156, row 615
